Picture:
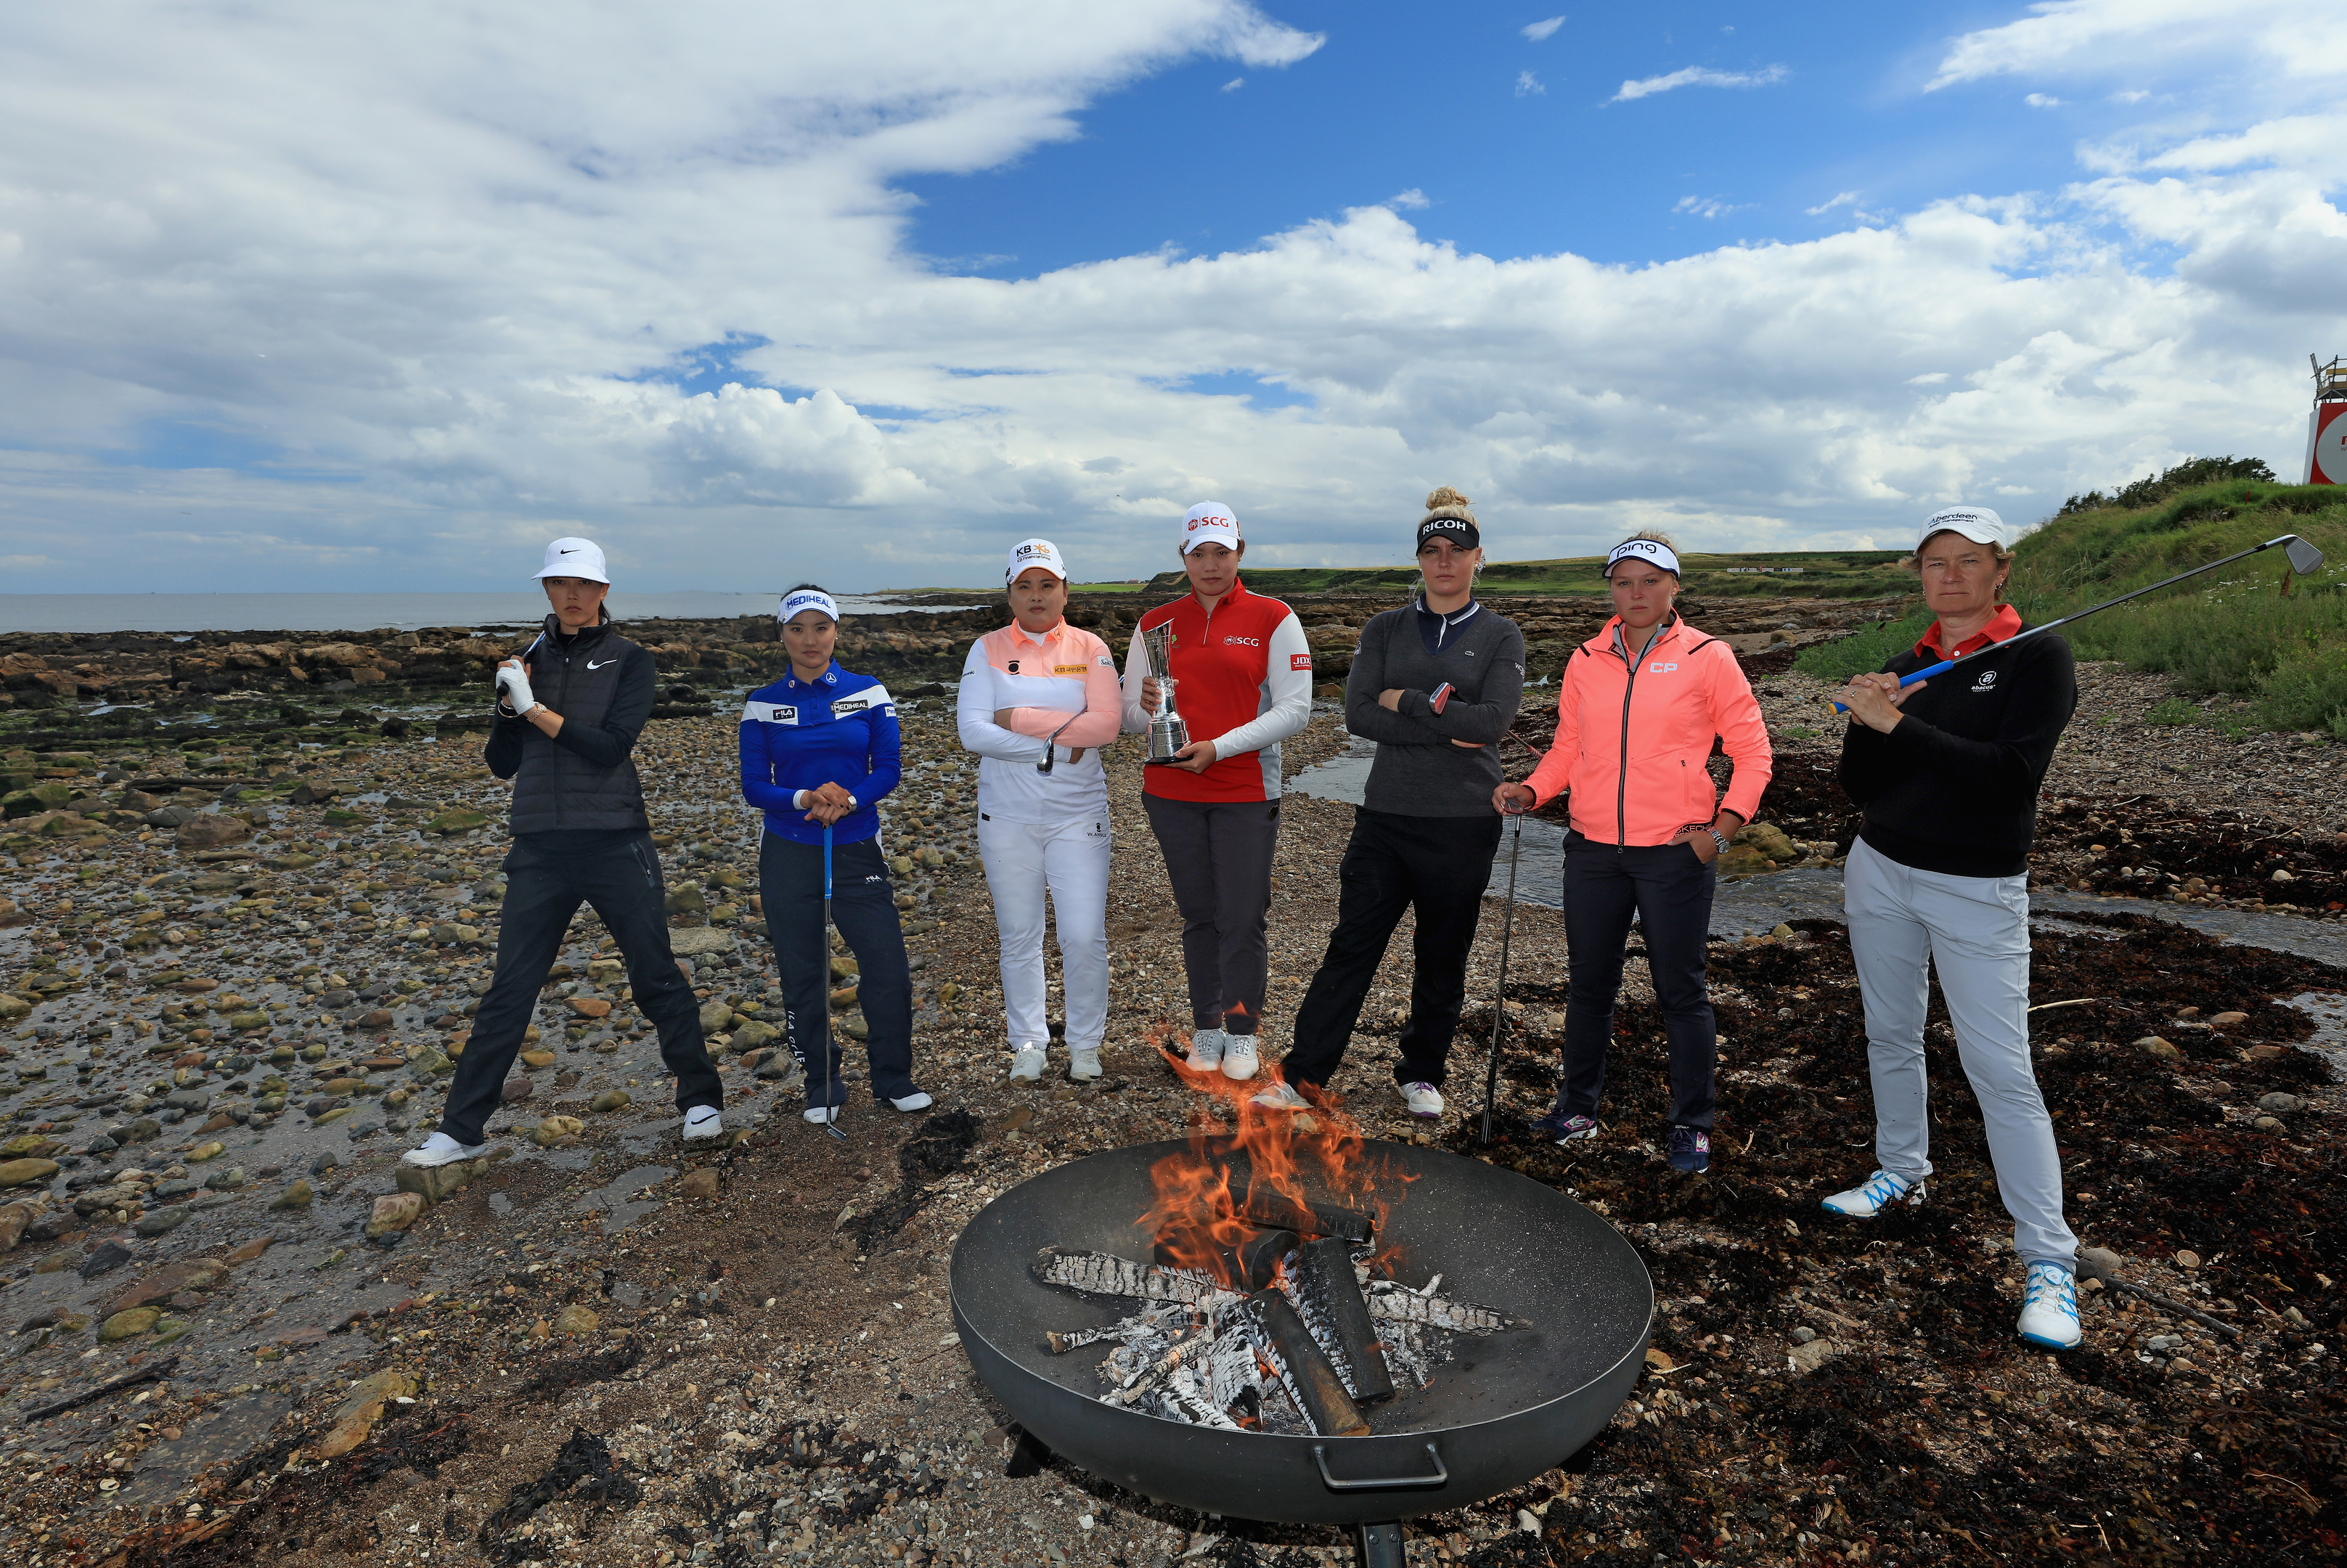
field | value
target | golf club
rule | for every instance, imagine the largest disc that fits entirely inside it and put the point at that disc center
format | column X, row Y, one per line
column 2305, row 559
column 830, row 1112
column 1499, row 997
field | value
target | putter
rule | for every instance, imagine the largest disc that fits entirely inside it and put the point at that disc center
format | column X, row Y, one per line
column 2305, row 559
column 1500, row 1000
column 831, row 1118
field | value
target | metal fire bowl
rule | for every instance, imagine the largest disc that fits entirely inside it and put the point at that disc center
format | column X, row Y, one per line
column 1504, row 1409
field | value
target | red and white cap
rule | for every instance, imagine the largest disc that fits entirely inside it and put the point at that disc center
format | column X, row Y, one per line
column 1033, row 552
column 1210, row 523
column 576, row 557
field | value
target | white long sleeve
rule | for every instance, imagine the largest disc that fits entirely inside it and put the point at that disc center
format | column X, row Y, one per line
column 1287, row 684
column 1137, row 670
column 974, row 716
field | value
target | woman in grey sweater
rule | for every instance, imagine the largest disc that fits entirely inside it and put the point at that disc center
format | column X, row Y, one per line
column 1435, row 684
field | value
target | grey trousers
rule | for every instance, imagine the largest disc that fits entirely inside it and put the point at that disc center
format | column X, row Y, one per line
column 1975, row 930
column 1218, row 858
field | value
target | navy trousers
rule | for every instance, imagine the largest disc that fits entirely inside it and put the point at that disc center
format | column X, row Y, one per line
column 1670, row 889
column 864, row 907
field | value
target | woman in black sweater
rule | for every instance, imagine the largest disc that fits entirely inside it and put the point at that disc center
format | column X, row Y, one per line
column 1435, row 683
column 1948, row 771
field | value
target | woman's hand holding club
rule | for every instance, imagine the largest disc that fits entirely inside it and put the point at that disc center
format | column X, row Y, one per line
column 827, row 804
column 1513, row 799
column 1874, row 699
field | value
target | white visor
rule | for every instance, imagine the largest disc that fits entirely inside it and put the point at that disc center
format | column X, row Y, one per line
column 808, row 598
column 1650, row 550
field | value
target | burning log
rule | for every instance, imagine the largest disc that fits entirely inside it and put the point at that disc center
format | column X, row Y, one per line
column 1265, row 1205
column 1326, row 1281
column 1103, row 1274
column 1310, row 1376
column 1248, row 1263
column 1395, row 1303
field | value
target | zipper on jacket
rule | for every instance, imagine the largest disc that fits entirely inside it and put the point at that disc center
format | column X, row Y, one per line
column 1622, row 775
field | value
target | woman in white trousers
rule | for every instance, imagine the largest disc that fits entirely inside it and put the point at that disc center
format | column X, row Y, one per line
column 1948, row 771
column 1039, row 697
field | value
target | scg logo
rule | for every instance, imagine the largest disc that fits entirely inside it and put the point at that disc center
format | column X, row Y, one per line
column 1209, row 521
column 1243, row 641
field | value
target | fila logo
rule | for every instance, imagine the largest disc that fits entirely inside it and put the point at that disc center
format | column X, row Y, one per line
column 771, row 712
column 1300, row 661
column 1243, row 642
column 1660, row 668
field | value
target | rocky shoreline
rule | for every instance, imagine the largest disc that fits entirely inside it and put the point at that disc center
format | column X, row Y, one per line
column 239, row 955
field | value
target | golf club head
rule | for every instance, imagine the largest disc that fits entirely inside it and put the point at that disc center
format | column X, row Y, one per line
column 2304, row 558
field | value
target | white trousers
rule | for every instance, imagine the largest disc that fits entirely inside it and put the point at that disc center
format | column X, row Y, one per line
column 1975, row 930
column 1068, row 860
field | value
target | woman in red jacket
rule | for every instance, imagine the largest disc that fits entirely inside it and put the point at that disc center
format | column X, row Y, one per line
column 1636, row 710
column 1242, row 677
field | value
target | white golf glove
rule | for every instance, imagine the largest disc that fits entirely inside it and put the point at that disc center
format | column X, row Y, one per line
column 513, row 685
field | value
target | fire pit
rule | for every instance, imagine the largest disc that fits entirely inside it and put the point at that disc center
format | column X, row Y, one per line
column 1502, row 1408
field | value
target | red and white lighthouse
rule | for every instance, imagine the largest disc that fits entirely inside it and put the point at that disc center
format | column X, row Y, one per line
column 2326, row 426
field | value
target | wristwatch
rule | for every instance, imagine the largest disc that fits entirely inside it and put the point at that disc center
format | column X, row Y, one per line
column 1717, row 838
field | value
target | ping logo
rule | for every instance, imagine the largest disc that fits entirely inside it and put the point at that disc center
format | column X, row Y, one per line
column 1660, row 668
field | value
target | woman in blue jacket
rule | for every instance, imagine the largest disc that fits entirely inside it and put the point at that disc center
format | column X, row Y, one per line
column 819, row 749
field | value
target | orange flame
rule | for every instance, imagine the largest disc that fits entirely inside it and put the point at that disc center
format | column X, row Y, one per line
column 1198, row 1216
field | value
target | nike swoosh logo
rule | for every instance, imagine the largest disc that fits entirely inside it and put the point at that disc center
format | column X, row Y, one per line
column 571, row 552
column 592, row 665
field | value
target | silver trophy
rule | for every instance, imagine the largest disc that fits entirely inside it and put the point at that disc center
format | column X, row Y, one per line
column 1167, row 733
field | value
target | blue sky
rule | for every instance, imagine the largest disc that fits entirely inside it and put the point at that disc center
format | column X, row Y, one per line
column 760, row 290
column 1433, row 98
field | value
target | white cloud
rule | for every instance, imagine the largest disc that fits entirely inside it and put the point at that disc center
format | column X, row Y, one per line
column 1528, row 83
column 1697, row 76
column 2043, row 101
column 1235, row 83
column 1707, row 207
column 1540, row 31
column 2103, row 37
column 476, row 266
column 2133, row 96
column 1845, row 198
column 1412, row 198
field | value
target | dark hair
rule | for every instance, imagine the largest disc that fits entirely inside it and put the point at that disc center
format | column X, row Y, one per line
column 802, row 587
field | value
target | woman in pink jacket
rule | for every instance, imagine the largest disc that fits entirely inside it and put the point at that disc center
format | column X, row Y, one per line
column 1636, row 710
column 1039, row 699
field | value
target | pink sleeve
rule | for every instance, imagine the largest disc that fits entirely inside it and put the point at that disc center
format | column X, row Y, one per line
column 1555, row 770
column 1743, row 735
column 1102, row 718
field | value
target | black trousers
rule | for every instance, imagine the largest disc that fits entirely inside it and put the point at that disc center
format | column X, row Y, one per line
column 1437, row 865
column 545, row 885
column 1670, row 888
column 864, row 907
column 1218, row 859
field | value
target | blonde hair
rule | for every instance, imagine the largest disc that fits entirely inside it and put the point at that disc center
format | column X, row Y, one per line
column 1657, row 535
column 1445, row 502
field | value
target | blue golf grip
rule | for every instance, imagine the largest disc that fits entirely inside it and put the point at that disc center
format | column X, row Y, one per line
column 827, row 866
column 1925, row 674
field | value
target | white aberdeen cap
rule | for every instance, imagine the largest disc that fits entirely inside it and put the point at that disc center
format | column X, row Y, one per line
column 576, row 557
column 1977, row 524
column 1209, row 523
column 1033, row 552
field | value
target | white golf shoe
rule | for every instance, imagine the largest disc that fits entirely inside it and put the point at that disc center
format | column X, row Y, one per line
column 1205, row 1050
column 441, row 1150
column 2049, row 1307
column 1280, row 1097
column 1026, row 1064
column 702, row 1122
column 1239, row 1060
column 1084, row 1062
column 919, row 1100
column 1877, row 1193
column 1424, row 1100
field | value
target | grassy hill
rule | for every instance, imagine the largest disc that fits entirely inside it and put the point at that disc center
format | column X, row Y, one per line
column 1775, row 574
column 2236, row 633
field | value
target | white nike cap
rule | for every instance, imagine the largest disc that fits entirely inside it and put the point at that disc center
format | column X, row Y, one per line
column 1033, row 552
column 1209, row 523
column 576, row 557
column 1977, row 524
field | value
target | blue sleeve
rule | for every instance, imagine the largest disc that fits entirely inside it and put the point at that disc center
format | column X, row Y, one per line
column 758, row 786
column 888, row 757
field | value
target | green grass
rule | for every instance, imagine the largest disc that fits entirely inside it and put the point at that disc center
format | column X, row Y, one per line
column 1870, row 649
column 2236, row 632
column 1823, row 574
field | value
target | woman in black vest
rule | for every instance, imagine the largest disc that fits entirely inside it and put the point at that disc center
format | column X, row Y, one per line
column 568, row 713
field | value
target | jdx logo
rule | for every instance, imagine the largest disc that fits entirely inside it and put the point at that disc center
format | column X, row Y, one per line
column 1660, row 668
